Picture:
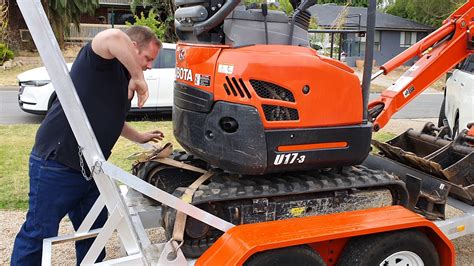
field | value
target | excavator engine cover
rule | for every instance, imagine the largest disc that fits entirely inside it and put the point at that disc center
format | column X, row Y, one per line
column 268, row 108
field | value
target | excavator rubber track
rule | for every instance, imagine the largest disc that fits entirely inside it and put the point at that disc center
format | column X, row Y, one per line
column 252, row 199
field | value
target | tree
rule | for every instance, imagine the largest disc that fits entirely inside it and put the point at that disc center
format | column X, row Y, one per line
column 430, row 12
column 63, row 12
column 164, row 9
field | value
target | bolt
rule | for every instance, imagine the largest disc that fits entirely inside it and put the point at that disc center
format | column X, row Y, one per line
column 306, row 89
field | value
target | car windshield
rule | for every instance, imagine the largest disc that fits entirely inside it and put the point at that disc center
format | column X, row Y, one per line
column 166, row 59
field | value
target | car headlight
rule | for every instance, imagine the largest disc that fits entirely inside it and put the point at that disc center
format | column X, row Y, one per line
column 36, row 83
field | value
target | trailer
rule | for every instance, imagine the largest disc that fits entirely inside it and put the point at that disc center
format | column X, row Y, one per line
column 387, row 234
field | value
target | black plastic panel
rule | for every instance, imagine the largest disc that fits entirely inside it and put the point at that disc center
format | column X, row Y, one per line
column 243, row 151
column 357, row 138
column 191, row 98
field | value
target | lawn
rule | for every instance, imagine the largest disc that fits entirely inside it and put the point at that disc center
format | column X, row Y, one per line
column 16, row 142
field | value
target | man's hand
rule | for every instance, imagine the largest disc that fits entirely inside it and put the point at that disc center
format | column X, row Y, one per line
column 154, row 135
column 140, row 86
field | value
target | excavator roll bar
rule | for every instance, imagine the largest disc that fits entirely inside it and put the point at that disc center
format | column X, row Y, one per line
column 438, row 52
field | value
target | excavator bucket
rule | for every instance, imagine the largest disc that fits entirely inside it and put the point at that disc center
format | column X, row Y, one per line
column 426, row 151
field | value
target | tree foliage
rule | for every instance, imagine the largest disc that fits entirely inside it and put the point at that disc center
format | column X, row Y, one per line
column 164, row 10
column 430, row 12
column 151, row 22
column 5, row 52
column 63, row 12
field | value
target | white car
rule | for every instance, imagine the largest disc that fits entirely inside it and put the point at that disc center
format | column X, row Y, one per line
column 36, row 92
column 458, row 105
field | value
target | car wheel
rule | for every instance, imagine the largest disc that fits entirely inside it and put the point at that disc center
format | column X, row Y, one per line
column 51, row 100
column 456, row 127
column 442, row 111
column 407, row 247
column 297, row 255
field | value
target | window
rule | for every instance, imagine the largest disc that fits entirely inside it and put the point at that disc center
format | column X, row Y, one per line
column 166, row 59
column 376, row 42
column 407, row 38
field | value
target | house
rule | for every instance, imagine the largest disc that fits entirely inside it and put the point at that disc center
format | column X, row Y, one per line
column 392, row 34
column 111, row 13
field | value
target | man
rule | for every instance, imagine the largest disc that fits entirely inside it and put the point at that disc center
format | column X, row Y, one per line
column 106, row 73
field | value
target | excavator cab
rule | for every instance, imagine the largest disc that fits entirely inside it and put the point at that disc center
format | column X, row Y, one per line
column 251, row 97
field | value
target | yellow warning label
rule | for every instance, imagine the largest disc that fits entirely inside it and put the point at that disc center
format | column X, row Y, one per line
column 297, row 211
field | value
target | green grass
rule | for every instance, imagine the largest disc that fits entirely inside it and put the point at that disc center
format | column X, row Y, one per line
column 383, row 136
column 16, row 142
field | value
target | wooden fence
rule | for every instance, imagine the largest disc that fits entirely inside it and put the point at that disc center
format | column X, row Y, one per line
column 88, row 31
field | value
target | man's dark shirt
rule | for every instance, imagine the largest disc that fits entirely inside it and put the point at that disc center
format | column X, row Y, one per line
column 102, row 86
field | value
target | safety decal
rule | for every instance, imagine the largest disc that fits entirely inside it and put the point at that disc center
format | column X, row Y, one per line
column 202, row 80
column 225, row 69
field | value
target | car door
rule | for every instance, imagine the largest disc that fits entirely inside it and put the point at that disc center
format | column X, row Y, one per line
column 166, row 73
column 466, row 85
column 460, row 96
column 152, row 78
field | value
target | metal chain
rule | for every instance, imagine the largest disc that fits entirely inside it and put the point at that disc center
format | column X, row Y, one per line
column 81, row 163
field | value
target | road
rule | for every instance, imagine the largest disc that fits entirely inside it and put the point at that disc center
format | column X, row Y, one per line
column 425, row 106
column 10, row 112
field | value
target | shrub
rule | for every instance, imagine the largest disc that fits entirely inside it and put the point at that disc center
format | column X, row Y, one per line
column 151, row 22
column 5, row 53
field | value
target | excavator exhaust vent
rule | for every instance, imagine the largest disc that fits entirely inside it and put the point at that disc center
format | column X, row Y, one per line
column 271, row 91
column 232, row 87
column 279, row 113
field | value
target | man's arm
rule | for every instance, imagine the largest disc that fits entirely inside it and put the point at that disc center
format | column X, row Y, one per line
column 114, row 43
column 130, row 133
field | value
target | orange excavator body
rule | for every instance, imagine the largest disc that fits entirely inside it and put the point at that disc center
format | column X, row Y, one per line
column 311, row 120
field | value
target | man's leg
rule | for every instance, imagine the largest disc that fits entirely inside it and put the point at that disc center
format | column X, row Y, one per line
column 54, row 191
column 79, row 213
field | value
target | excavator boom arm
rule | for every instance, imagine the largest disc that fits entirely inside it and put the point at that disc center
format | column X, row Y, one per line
column 439, row 52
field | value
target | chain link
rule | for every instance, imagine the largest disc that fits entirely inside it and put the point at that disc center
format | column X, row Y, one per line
column 81, row 163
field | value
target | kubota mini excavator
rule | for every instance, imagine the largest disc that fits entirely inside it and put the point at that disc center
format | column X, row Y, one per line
column 282, row 128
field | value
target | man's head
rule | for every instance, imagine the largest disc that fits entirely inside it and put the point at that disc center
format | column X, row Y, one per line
column 146, row 43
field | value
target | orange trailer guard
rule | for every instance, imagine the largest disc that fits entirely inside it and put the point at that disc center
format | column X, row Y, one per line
column 241, row 242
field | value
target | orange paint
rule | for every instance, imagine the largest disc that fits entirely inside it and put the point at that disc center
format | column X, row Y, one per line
column 241, row 242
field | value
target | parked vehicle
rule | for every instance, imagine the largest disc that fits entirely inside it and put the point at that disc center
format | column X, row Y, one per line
column 36, row 93
column 458, row 106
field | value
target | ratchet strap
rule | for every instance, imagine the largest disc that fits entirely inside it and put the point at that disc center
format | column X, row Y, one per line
column 161, row 155
column 180, row 220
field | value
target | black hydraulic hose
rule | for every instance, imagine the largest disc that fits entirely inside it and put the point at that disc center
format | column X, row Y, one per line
column 265, row 13
column 217, row 18
column 369, row 56
column 303, row 6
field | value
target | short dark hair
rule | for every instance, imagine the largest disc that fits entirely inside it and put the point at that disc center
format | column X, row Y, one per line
column 143, row 36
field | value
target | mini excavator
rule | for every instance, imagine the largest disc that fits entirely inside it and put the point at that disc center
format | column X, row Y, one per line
column 285, row 131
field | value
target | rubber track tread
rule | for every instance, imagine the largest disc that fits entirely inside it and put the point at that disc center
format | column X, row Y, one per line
column 224, row 187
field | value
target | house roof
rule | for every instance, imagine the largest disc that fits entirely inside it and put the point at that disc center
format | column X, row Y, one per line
column 326, row 16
